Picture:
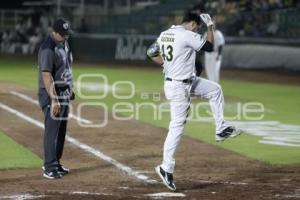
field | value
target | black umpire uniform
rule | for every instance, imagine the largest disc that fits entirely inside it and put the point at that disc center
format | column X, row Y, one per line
column 56, row 58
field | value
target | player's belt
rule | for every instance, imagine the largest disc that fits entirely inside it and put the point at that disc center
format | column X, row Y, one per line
column 189, row 81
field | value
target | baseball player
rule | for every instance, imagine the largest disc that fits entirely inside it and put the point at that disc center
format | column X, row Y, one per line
column 175, row 49
column 213, row 59
column 55, row 91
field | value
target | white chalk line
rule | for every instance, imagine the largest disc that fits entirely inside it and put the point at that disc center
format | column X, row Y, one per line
column 272, row 132
column 84, row 147
column 52, row 194
column 89, row 193
column 29, row 99
column 33, row 101
column 296, row 194
column 38, row 196
column 165, row 194
column 222, row 182
column 23, row 197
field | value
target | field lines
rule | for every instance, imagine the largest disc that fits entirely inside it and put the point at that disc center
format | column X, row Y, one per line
column 84, row 147
column 272, row 132
column 89, row 194
column 31, row 100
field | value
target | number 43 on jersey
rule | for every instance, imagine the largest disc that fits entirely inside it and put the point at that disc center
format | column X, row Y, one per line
column 167, row 53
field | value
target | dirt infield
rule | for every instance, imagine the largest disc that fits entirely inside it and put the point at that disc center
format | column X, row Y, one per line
column 203, row 171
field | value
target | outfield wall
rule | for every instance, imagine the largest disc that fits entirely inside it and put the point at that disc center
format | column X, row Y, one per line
column 111, row 47
column 258, row 56
column 263, row 54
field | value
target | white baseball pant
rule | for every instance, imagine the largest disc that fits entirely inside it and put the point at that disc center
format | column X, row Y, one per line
column 178, row 94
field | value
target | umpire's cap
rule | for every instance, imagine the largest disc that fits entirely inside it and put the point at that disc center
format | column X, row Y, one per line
column 191, row 16
column 62, row 27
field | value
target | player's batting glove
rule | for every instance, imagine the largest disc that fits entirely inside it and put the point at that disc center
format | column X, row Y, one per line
column 206, row 19
column 153, row 50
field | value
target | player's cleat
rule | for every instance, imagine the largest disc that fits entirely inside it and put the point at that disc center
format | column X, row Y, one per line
column 227, row 132
column 166, row 177
column 52, row 174
column 63, row 170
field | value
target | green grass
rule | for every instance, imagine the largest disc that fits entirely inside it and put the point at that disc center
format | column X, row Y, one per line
column 14, row 155
column 282, row 102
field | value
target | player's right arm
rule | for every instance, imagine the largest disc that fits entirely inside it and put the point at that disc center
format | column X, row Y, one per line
column 47, row 63
column 154, row 54
column 210, row 34
column 208, row 46
column 49, row 86
column 197, row 42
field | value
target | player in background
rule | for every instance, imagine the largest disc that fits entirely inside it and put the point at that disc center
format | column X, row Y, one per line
column 213, row 60
column 175, row 49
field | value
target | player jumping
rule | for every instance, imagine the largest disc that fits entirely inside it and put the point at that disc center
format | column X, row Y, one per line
column 175, row 49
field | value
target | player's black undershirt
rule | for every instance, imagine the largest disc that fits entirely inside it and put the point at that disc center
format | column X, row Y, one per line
column 208, row 47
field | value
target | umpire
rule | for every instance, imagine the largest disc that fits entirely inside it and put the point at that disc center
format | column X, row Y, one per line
column 55, row 92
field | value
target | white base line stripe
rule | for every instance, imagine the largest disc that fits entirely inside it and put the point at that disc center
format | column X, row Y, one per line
column 84, row 147
column 23, row 197
column 31, row 100
column 166, row 194
column 223, row 182
column 39, row 196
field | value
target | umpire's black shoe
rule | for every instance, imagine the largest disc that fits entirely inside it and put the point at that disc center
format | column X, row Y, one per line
column 227, row 132
column 166, row 177
column 63, row 170
column 52, row 174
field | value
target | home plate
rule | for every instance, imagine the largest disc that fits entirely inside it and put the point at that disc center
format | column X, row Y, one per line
column 166, row 194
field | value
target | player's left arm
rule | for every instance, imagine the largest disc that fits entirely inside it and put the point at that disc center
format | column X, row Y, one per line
column 158, row 60
column 154, row 54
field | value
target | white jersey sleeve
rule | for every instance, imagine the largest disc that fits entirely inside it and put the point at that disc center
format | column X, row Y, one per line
column 194, row 40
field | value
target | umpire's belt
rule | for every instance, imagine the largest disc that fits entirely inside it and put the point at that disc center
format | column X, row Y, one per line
column 189, row 81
